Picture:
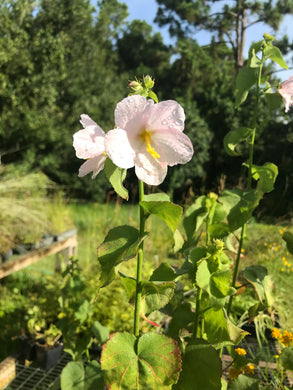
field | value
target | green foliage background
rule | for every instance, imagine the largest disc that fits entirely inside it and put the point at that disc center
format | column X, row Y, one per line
column 61, row 58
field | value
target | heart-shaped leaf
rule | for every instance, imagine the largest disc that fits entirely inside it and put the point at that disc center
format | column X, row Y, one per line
column 151, row 362
column 274, row 54
column 240, row 205
column 246, row 78
column 154, row 294
column 234, row 138
column 167, row 211
column 265, row 175
column 201, row 367
column 120, row 244
column 220, row 330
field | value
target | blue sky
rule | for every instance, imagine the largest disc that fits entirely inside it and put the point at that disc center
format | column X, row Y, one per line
column 147, row 9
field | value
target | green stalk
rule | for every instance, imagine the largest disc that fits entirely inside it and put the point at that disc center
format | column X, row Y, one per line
column 139, row 263
column 249, row 181
column 197, row 313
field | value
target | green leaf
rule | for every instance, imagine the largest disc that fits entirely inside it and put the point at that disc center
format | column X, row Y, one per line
column 274, row 100
column 167, row 211
column 94, row 379
column 151, row 362
column 72, row 376
column 274, row 54
column 203, row 276
column 255, row 62
column 286, row 358
column 81, row 314
column 181, row 318
column 154, row 295
column 258, row 276
column 218, row 230
column 288, row 238
column 120, row 244
column 193, row 219
column 101, row 332
column 221, row 284
column 116, row 176
column 244, row 382
column 178, row 241
column 220, row 330
column 246, row 78
column 240, row 205
column 234, row 138
column 266, row 176
column 153, row 96
column 157, row 197
column 163, row 273
column 201, row 367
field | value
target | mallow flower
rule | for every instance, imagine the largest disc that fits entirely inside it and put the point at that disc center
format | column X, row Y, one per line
column 286, row 91
column 89, row 144
column 148, row 137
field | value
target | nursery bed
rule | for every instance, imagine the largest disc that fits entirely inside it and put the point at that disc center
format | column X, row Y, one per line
column 34, row 378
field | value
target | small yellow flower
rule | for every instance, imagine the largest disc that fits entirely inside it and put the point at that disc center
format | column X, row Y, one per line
column 282, row 270
column 287, row 338
column 276, row 333
column 242, row 250
column 248, row 369
column 234, row 373
column 240, row 351
column 276, row 356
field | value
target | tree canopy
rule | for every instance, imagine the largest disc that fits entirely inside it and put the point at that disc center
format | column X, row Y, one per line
column 60, row 59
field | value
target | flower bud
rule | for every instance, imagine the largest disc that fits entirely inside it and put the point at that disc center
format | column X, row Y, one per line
column 268, row 37
column 135, row 86
column 148, row 81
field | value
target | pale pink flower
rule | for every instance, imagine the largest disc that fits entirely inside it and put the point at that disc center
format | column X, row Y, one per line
column 148, row 137
column 286, row 91
column 89, row 143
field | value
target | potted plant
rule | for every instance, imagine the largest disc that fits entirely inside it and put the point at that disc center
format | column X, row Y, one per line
column 48, row 347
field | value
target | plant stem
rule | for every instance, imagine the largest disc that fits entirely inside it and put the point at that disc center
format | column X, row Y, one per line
column 139, row 263
column 197, row 312
column 236, row 268
column 249, row 181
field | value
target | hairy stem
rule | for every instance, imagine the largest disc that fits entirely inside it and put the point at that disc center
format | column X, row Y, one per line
column 197, row 313
column 249, row 182
column 139, row 263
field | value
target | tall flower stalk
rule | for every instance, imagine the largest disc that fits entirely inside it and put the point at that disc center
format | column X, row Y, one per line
column 139, row 263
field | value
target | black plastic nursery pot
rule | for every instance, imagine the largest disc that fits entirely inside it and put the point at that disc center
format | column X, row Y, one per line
column 27, row 349
column 48, row 357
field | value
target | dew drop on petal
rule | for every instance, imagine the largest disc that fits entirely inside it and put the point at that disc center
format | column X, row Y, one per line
column 175, row 112
column 171, row 125
column 164, row 122
column 178, row 122
column 169, row 118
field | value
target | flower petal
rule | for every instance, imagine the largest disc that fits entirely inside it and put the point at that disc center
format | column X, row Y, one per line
column 85, row 120
column 129, row 113
column 94, row 165
column 149, row 170
column 166, row 115
column 286, row 91
column 89, row 142
column 173, row 146
column 119, row 149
